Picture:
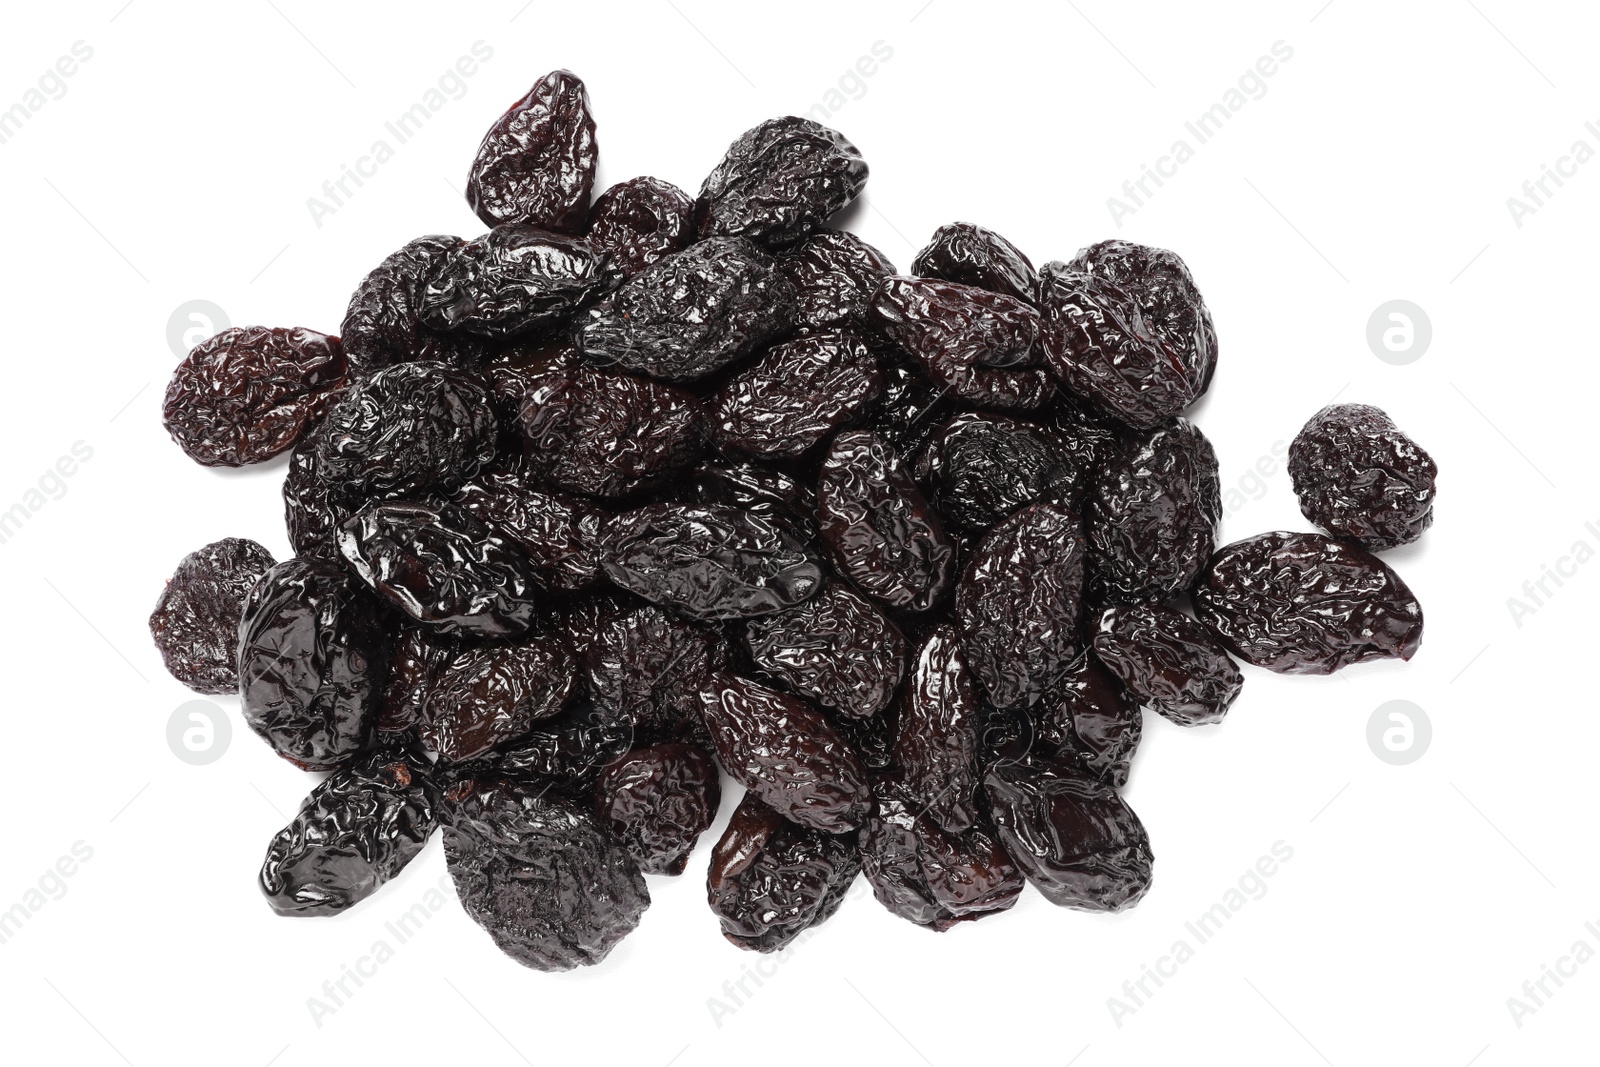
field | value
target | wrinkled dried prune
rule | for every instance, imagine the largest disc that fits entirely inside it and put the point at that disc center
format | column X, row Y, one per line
column 1302, row 603
column 979, row 468
column 513, row 281
column 872, row 738
column 483, row 697
column 780, row 181
column 640, row 222
column 382, row 326
column 1359, row 477
column 835, row 274
column 658, row 801
column 417, row 657
column 313, row 509
column 797, row 394
column 911, row 408
column 648, row 666
column 569, row 751
column 536, row 164
column 937, row 743
column 248, row 393
column 357, row 830
column 312, row 658
column 772, row 879
column 1091, row 437
column 560, row 533
column 836, row 649
column 195, row 624
column 1087, row 716
column 753, row 486
column 975, row 255
column 1168, row 662
column 787, row 753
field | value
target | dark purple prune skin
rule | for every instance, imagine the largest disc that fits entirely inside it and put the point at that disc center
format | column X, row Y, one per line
column 1299, row 603
column 690, row 314
column 836, row 649
column 883, row 535
column 835, row 274
column 974, row 255
column 1089, row 718
column 536, row 164
column 1170, row 302
column 417, row 657
column 312, row 658
column 513, row 281
column 313, row 509
column 771, row 879
column 1071, row 835
column 913, row 405
column 484, row 697
column 658, row 801
column 357, row 830
column 795, row 396
column 754, row 486
column 978, row 468
column 709, row 562
column 1152, row 516
column 532, row 868
column 937, row 746
column 195, row 624
column 779, row 182
column 783, row 750
column 560, row 533
column 1360, row 478
column 382, row 326
column 1020, row 603
column 443, row 568
column 1168, row 662
column 641, row 222
column 1090, row 436
column 646, row 665
column 248, row 393
column 567, row 753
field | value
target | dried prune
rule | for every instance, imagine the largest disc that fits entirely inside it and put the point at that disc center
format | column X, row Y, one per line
column 417, row 657
column 195, row 623
column 536, row 164
column 313, row 509
column 692, row 313
column 797, row 394
column 884, row 536
column 648, row 666
column 1153, row 515
column 248, row 393
column 533, row 869
column 1087, row 716
column 1302, row 603
column 568, row 752
column 640, row 222
column 974, row 255
column 835, row 274
column 559, row 533
column 1168, row 662
column 936, row 747
column 485, row 696
column 772, row 879
column 787, row 753
column 356, row 831
column 1359, row 477
column 836, row 649
column 978, row 468
column 912, row 407
column 754, row 486
column 312, row 658
column 1073, row 837
column 709, row 561
column 513, row 281
column 1090, row 436
column 780, row 181
column 443, row 568
column 658, row 801
column 1020, row 603
column 382, row 326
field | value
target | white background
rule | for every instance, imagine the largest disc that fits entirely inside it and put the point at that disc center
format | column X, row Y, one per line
column 1376, row 166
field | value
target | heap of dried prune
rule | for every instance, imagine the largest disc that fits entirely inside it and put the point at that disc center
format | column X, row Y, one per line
column 615, row 507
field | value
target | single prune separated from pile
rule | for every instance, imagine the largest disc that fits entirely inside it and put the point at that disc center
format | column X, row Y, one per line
column 641, row 222
column 1073, row 837
column 536, row 164
column 552, row 888
column 779, row 182
column 835, row 274
column 560, row 533
column 195, row 624
column 836, row 649
column 1359, row 477
column 646, row 665
column 1088, row 717
column 1152, row 516
column 1168, row 662
column 690, row 314
column 357, row 830
column 514, row 281
column 978, row 468
column 787, row 753
column 1299, row 603
column 709, row 562
column 313, row 653
column 658, row 801
column 795, row 396
column 443, row 568
column 883, row 535
column 382, row 326
column 975, row 255
column 485, row 697
column 772, row 879
column 937, row 742
column 247, row 394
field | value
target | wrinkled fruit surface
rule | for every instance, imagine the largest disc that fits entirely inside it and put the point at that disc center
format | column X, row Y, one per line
column 1359, row 477
column 196, row 621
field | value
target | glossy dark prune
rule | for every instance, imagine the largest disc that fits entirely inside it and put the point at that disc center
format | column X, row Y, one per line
column 658, row 801
column 795, row 395
column 708, row 561
column 312, row 658
column 417, row 657
column 560, row 533
column 937, row 744
column 357, row 830
column 195, row 624
column 536, row 164
column 247, row 394
column 382, row 326
column 783, row 750
column 883, row 535
column 1090, row 436
column 569, row 752
column 690, row 314
column 313, row 509
column 1089, row 718
column 443, row 568
column 648, row 666
column 1168, row 662
column 913, row 405
column 513, row 281
column 974, row 255
column 779, row 182
column 1359, row 477
column 484, row 697
column 754, row 486
column 772, row 879
column 836, row 649
column 872, row 738
column 1073, row 837
column 978, row 468
column 835, row 274
column 640, row 222
column 1299, row 603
